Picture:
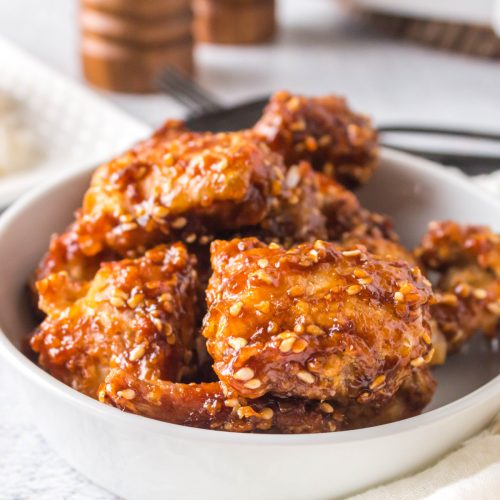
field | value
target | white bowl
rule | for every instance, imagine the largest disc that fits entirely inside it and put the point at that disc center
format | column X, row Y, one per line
column 139, row 458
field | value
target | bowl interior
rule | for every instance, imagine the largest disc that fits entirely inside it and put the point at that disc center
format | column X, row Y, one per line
column 411, row 190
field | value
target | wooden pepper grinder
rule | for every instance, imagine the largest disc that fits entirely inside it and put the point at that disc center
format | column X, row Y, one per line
column 127, row 43
column 234, row 21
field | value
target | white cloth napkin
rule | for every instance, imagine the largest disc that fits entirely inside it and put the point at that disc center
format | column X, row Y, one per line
column 29, row 469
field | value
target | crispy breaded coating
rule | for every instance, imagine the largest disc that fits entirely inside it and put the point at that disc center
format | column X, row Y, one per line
column 137, row 315
column 189, row 187
column 323, row 131
column 346, row 217
column 211, row 406
column 467, row 259
column 316, row 321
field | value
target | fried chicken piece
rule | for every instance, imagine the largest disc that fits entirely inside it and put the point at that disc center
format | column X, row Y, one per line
column 185, row 186
column 346, row 218
column 138, row 315
column 316, row 321
column 323, row 131
column 210, row 406
column 467, row 259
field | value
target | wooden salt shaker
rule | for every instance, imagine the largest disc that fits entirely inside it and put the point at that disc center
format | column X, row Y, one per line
column 234, row 21
column 127, row 43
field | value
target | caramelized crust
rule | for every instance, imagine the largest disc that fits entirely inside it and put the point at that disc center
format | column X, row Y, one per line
column 186, row 186
column 137, row 315
column 345, row 217
column 316, row 321
column 211, row 406
column 467, row 259
column 323, row 131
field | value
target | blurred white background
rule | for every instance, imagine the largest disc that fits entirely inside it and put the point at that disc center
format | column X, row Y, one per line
column 318, row 49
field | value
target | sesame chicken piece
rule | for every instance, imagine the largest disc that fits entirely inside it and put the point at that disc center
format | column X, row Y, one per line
column 211, row 406
column 137, row 315
column 317, row 321
column 323, row 131
column 467, row 260
column 189, row 187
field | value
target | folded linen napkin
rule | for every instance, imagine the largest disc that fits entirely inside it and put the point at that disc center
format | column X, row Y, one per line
column 470, row 472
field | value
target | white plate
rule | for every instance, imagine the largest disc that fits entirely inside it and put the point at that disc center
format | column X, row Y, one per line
column 74, row 126
column 139, row 458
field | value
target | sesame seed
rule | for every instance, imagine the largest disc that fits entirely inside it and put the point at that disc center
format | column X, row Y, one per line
column 299, row 346
column 191, row 238
column 353, row 289
column 311, row 143
column 232, row 402
column 158, row 324
column 171, row 339
column 377, row 382
column 296, row 290
column 293, row 104
column 254, row 383
column 168, row 159
column 351, row 253
column 430, row 355
column 267, row 413
column 324, row 140
column 299, row 328
column 448, row 299
column 272, row 327
column 118, row 292
column 314, row 330
column 426, row 338
column 286, row 345
column 480, row 294
column 463, row 290
column 360, row 273
column 365, row 281
column 179, row 223
column 237, row 342
column 129, row 226
column 306, row 377
column 418, row 362
column 293, row 177
column 126, row 394
column 314, row 255
column 160, row 212
column 262, row 263
column 117, row 302
column 236, row 308
column 137, row 353
column 399, row 297
column 136, row 300
column 205, row 239
column 264, row 306
column 494, row 308
column 264, row 277
column 244, row 374
column 273, row 246
column 326, row 407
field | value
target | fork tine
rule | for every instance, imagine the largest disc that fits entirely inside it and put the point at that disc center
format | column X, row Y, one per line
column 172, row 89
column 187, row 91
column 195, row 91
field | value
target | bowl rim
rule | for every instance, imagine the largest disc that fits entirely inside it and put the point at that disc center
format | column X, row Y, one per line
column 39, row 377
